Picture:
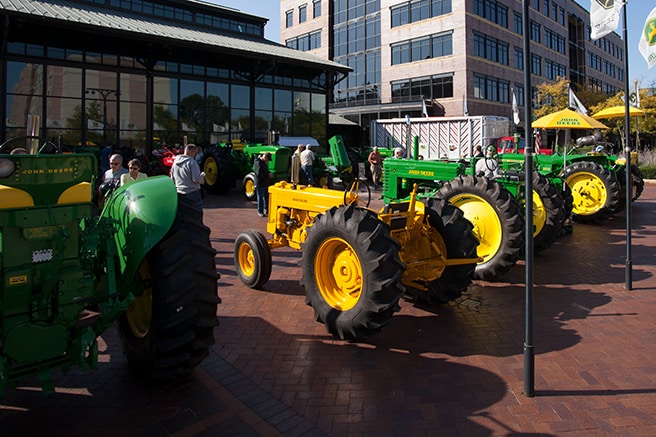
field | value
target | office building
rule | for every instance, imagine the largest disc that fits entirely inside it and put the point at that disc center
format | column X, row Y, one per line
column 452, row 57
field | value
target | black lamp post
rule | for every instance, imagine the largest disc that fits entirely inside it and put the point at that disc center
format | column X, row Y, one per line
column 104, row 93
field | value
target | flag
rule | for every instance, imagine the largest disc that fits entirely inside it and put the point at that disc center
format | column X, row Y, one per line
column 465, row 111
column 647, row 45
column 538, row 140
column 424, row 111
column 96, row 126
column 515, row 108
column 575, row 103
column 604, row 17
column 634, row 95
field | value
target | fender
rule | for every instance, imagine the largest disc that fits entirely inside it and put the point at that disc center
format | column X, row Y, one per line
column 141, row 213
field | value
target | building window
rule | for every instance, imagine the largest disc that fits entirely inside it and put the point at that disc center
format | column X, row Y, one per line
column 433, row 46
column 554, row 11
column 492, row 10
column 302, row 13
column 536, row 65
column 490, row 48
column 417, row 10
column 491, row 88
column 433, row 87
column 554, row 41
column 289, row 18
column 316, row 8
column 535, row 31
column 305, row 42
column 518, row 24
column 519, row 93
column 545, row 8
column 554, row 70
column 519, row 58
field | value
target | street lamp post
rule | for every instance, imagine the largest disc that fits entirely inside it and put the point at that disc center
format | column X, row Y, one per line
column 104, row 93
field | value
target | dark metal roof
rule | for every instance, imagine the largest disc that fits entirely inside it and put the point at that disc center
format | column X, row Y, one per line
column 133, row 25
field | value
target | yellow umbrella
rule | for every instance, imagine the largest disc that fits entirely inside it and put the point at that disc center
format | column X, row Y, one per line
column 618, row 111
column 567, row 119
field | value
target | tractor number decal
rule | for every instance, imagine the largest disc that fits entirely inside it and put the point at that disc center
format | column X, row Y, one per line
column 17, row 280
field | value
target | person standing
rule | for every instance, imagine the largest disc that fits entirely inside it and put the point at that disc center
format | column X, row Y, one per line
column 187, row 176
column 376, row 166
column 262, row 179
column 134, row 174
column 307, row 159
column 116, row 170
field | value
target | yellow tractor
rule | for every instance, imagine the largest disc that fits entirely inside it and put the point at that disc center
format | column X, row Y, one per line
column 357, row 263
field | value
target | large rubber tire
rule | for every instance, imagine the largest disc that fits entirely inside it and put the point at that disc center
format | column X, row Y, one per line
column 168, row 330
column 351, row 272
column 548, row 213
column 355, row 160
column 595, row 190
column 458, row 236
column 248, row 186
column 218, row 168
column 497, row 219
column 637, row 184
column 252, row 258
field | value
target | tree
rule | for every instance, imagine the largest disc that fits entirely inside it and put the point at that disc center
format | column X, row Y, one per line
column 554, row 97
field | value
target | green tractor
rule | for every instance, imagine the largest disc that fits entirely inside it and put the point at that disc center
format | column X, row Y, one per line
column 70, row 270
column 223, row 165
column 595, row 180
column 493, row 205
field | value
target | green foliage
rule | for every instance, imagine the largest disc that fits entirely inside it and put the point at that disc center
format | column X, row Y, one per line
column 648, row 172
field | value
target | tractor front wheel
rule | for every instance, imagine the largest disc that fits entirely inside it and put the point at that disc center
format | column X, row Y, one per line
column 351, row 272
column 460, row 242
column 217, row 165
column 248, row 186
column 497, row 219
column 252, row 258
column 595, row 191
column 167, row 330
column 548, row 212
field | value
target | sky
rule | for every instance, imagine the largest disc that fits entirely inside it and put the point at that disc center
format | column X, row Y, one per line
column 636, row 12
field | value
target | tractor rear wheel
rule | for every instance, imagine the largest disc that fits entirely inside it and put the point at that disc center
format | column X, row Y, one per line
column 497, row 219
column 217, row 165
column 351, row 272
column 355, row 161
column 548, row 212
column 167, row 330
column 595, row 190
column 248, row 186
column 460, row 242
column 252, row 258
column 637, row 184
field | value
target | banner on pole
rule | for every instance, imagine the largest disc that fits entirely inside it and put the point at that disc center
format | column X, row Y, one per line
column 604, row 17
column 515, row 109
column 647, row 45
column 575, row 103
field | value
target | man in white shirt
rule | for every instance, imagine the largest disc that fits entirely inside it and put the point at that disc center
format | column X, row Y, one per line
column 307, row 159
column 488, row 165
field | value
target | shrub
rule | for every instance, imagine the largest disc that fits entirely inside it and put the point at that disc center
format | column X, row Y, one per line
column 648, row 172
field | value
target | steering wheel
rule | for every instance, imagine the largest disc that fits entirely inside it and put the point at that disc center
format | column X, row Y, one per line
column 356, row 193
column 19, row 142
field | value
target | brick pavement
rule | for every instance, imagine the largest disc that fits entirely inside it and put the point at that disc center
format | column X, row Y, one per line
column 450, row 370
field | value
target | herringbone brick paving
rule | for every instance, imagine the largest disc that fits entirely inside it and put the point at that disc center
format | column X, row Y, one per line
column 451, row 370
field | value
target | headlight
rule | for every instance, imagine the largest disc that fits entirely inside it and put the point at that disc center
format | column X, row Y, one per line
column 7, row 167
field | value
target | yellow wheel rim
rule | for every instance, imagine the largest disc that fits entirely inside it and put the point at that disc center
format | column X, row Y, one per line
column 487, row 226
column 249, row 187
column 338, row 273
column 211, row 171
column 140, row 313
column 588, row 191
column 539, row 214
column 246, row 258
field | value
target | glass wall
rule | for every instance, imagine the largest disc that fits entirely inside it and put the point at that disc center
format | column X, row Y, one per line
column 93, row 103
